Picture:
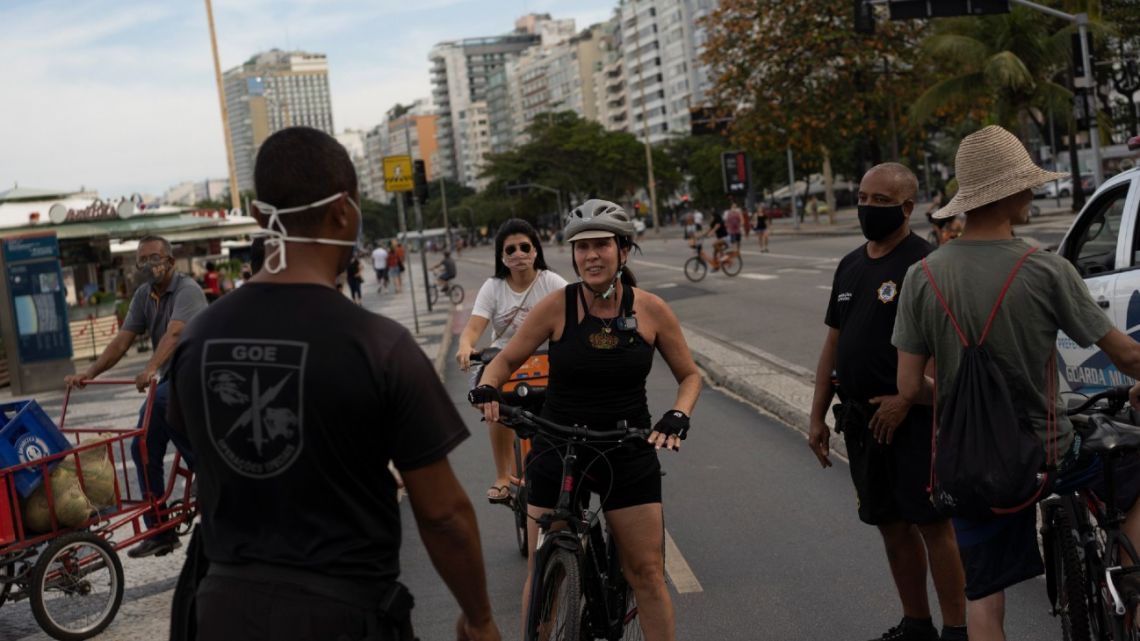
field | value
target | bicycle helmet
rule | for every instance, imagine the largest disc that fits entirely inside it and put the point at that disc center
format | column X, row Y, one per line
column 597, row 218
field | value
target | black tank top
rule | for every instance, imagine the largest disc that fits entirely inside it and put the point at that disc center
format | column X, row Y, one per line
column 598, row 387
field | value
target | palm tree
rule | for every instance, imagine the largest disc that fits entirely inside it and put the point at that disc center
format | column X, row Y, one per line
column 998, row 69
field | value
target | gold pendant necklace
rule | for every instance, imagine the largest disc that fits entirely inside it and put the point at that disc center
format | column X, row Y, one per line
column 605, row 339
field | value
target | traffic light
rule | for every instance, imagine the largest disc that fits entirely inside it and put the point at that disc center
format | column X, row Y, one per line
column 419, row 172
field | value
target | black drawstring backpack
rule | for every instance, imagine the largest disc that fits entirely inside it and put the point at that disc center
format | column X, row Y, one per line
column 986, row 459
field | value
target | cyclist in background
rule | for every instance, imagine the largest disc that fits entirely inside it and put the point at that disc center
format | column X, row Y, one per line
column 521, row 279
column 717, row 230
column 603, row 332
column 443, row 279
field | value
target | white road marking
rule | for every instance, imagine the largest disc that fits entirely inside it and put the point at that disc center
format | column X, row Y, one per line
column 678, row 568
column 823, row 287
column 664, row 285
column 797, row 270
column 658, row 265
column 788, row 256
column 760, row 276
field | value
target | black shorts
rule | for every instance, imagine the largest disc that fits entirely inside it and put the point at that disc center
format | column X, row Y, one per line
column 626, row 476
column 1000, row 552
column 890, row 480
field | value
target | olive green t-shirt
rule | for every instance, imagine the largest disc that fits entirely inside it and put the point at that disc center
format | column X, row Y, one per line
column 1046, row 295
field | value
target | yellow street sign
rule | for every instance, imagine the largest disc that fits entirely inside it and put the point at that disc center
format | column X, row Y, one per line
column 398, row 173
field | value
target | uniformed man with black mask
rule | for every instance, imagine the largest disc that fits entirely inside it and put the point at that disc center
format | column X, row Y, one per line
column 888, row 439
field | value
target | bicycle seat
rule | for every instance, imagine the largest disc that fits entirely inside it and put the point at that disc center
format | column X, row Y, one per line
column 1104, row 435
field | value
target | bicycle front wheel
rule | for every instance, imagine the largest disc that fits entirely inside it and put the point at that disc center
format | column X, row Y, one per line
column 560, row 605
column 731, row 264
column 455, row 293
column 696, row 269
column 1072, row 602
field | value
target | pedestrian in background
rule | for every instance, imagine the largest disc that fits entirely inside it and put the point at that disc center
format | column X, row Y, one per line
column 380, row 266
column 356, row 280
column 887, row 436
column 760, row 226
column 396, row 265
column 734, row 224
column 164, row 302
column 294, row 398
column 947, row 229
column 1043, row 294
column 521, row 279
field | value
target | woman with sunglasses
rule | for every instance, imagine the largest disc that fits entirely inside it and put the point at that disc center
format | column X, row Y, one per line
column 603, row 334
column 521, row 280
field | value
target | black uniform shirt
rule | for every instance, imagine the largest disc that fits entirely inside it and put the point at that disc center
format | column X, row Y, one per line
column 864, row 299
column 294, row 400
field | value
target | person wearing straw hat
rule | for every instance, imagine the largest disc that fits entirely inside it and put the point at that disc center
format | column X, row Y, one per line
column 996, row 177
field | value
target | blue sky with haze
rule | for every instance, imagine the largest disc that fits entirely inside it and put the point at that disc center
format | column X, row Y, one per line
column 119, row 95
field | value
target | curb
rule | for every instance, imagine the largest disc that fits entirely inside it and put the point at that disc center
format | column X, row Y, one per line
column 763, row 380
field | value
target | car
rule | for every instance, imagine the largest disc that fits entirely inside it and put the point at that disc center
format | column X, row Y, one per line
column 774, row 210
column 1101, row 243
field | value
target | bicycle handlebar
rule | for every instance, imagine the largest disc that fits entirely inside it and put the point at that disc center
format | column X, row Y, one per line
column 1114, row 395
column 573, row 433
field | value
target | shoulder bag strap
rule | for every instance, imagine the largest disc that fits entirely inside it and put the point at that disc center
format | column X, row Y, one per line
column 1004, row 290
column 945, row 307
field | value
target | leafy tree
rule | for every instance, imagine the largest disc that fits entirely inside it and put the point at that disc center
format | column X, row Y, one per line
column 794, row 74
column 579, row 158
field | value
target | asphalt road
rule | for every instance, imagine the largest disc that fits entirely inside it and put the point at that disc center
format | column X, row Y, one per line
column 772, row 539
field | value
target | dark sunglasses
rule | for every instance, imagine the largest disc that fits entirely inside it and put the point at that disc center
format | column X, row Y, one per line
column 525, row 248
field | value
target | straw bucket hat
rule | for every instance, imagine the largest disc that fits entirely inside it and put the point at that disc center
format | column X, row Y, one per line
column 992, row 164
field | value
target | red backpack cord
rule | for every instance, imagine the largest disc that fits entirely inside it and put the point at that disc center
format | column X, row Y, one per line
column 1001, row 296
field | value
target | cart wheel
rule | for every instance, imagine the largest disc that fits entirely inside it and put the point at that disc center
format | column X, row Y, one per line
column 8, row 570
column 76, row 586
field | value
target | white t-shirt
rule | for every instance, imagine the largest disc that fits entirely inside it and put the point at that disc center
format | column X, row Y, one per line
column 379, row 258
column 498, row 303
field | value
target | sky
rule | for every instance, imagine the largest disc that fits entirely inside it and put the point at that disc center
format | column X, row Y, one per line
column 120, row 96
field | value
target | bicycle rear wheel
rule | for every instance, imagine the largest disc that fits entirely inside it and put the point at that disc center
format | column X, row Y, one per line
column 560, row 605
column 1072, row 601
column 696, row 269
column 455, row 293
column 731, row 264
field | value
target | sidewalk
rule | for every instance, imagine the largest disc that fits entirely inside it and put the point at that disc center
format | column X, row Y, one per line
column 144, row 614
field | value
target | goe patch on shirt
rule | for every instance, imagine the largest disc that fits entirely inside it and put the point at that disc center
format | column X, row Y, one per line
column 254, row 402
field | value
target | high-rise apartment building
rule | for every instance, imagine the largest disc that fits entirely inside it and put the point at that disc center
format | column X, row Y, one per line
column 612, row 104
column 270, row 91
column 661, row 47
column 460, row 78
column 558, row 76
column 388, row 139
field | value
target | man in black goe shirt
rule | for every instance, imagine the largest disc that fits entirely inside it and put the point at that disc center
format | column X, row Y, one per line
column 888, row 441
column 294, row 399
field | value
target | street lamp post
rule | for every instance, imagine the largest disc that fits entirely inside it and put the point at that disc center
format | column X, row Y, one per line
column 1082, row 22
column 645, row 121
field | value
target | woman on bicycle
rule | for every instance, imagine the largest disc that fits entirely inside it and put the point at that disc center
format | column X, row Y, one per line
column 521, row 280
column 603, row 332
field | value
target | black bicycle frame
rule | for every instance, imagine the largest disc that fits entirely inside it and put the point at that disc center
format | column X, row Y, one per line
column 598, row 557
column 1102, row 573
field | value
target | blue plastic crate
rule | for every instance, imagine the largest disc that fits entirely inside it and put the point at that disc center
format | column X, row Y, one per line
column 28, row 434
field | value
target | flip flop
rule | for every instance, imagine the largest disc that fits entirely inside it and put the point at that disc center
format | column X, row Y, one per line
column 499, row 495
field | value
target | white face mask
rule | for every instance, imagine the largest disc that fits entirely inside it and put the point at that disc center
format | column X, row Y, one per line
column 276, row 235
